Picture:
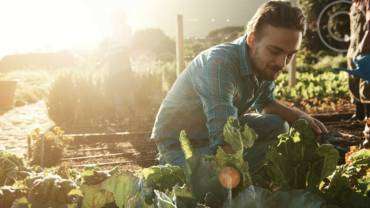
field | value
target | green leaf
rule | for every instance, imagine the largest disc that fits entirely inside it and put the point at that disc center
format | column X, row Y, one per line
column 349, row 185
column 234, row 160
column 330, row 156
column 183, row 196
column 164, row 201
column 191, row 160
column 122, row 186
column 237, row 136
column 185, row 145
column 361, row 157
column 163, row 177
column 232, row 134
column 297, row 161
column 262, row 198
column 10, row 164
column 95, row 196
column 249, row 136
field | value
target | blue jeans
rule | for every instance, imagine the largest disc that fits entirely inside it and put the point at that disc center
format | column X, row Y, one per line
column 267, row 127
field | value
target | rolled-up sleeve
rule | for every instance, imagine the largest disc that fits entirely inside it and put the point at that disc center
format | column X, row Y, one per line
column 266, row 96
column 215, row 85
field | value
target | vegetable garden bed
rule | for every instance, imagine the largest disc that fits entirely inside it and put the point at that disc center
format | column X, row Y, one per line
column 133, row 151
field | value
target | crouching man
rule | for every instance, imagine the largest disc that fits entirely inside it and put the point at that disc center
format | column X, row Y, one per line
column 230, row 79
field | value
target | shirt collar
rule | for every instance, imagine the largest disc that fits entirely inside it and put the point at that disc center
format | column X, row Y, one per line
column 245, row 66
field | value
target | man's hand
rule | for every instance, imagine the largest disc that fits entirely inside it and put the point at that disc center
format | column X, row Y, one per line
column 317, row 126
column 292, row 114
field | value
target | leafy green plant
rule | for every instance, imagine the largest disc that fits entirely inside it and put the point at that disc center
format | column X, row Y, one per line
column 81, row 101
column 9, row 194
column 10, row 168
column 309, row 86
column 298, row 162
column 350, row 183
column 51, row 191
column 202, row 172
column 48, row 148
column 304, row 172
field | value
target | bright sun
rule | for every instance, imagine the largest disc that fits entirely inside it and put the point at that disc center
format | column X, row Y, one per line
column 60, row 24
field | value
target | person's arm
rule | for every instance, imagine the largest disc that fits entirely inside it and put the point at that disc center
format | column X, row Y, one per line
column 292, row 114
column 365, row 43
column 367, row 6
column 215, row 85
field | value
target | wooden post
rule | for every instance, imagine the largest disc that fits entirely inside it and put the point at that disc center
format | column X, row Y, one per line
column 292, row 69
column 180, row 45
column 292, row 72
column 42, row 154
column 29, row 147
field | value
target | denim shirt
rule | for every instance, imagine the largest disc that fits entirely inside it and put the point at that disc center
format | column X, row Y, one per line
column 217, row 84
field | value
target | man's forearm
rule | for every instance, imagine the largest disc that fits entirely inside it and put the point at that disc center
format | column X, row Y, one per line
column 365, row 43
column 289, row 114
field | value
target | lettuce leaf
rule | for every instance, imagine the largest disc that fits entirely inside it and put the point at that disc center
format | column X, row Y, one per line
column 297, row 161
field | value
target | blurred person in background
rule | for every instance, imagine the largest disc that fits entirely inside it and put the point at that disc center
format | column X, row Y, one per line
column 359, row 44
column 116, row 61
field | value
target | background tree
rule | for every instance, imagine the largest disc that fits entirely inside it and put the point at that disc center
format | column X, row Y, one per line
column 334, row 24
column 154, row 42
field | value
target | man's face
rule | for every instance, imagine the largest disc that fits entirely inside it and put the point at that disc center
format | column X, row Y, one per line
column 272, row 50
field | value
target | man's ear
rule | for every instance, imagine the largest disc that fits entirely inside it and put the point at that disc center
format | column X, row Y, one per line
column 251, row 39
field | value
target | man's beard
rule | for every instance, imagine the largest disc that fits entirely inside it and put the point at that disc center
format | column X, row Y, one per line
column 264, row 71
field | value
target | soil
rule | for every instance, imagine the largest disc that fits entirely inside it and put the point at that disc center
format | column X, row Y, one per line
column 131, row 152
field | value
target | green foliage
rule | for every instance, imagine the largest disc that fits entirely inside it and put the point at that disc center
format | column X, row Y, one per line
column 163, row 177
column 338, row 26
column 202, row 172
column 225, row 34
column 51, row 191
column 122, row 187
column 9, row 194
column 350, row 183
column 48, row 148
column 10, row 165
column 100, row 188
column 319, row 63
column 76, row 98
column 263, row 198
column 179, row 197
column 80, row 101
column 239, row 139
column 298, row 162
column 155, row 42
column 95, row 197
column 310, row 86
column 164, row 201
column 304, row 171
column 94, row 177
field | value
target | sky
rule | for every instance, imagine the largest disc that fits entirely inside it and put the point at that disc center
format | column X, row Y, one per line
column 49, row 25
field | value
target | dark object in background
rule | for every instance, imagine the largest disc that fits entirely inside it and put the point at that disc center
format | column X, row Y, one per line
column 359, row 114
column 340, row 143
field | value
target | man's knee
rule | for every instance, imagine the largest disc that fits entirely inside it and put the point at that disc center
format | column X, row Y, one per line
column 280, row 126
column 176, row 158
column 265, row 125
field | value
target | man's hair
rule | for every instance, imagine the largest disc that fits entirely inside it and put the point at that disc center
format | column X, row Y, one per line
column 277, row 14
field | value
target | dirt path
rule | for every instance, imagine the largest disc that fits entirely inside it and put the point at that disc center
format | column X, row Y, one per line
column 17, row 123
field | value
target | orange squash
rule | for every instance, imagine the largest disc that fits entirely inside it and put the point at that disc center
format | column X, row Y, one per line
column 229, row 177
